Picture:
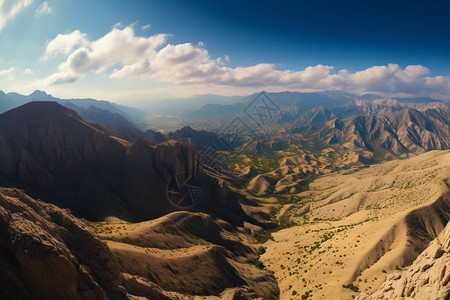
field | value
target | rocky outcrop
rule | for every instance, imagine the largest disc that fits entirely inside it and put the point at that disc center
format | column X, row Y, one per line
column 201, row 138
column 52, row 153
column 427, row 278
column 45, row 253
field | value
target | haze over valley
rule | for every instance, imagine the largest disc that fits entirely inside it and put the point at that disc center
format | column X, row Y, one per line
column 200, row 150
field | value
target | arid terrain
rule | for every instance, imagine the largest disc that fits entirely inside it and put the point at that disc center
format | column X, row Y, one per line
column 427, row 277
column 327, row 206
column 224, row 150
column 356, row 226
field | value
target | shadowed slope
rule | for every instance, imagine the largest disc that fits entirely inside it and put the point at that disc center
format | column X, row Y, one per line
column 53, row 153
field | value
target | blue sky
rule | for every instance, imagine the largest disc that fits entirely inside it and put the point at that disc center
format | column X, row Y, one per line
column 138, row 51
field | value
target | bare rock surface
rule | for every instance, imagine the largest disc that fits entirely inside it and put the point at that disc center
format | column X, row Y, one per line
column 426, row 278
column 53, row 154
column 46, row 253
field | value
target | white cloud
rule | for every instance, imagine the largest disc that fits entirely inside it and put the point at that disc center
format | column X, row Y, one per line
column 146, row 27
column 120, row 54
column 64, row 44
column 10, row 8
column 118, row 47
column 43, row 10
column 7, row 73
column 27, row 71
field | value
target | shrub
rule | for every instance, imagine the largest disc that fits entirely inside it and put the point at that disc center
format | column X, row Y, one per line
column 261, row 250
column 259, row 264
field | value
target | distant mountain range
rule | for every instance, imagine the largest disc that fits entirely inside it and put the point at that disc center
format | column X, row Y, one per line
column 397, row 132
column 96, row 174
column 294, row 104
column 108, row 113
column 394, row 125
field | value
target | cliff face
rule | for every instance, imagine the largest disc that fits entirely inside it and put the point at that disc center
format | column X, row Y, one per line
column 426, row 278
column 51, row 152
column 46, row 253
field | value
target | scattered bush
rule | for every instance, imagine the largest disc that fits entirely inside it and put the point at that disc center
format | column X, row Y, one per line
column 351, row 287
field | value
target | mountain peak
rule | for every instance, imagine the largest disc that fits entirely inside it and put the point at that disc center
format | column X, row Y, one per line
column 37, row 109
column 40, row 95
column 39, row 92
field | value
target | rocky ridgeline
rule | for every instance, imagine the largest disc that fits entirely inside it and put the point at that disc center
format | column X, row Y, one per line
column 52, row 153
column 46, row 253
column 426, row 278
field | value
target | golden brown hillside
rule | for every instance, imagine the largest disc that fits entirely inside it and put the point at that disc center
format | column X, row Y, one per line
column 358, row 225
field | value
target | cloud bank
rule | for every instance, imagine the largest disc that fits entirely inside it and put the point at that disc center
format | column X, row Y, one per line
column 122, row 54
column 10, row 8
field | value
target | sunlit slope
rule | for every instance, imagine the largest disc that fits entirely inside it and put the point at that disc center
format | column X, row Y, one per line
column 189, row 253
column 357, row 225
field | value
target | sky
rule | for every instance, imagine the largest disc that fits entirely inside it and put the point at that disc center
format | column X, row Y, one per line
column 134, row 52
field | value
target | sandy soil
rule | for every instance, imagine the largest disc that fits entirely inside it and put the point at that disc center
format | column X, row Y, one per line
column 355, row 229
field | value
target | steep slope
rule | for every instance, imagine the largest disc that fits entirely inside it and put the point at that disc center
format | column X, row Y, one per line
column 397, row 133
column 426, row 278
column 54, row 154
column 354, row 226
column 6, row 103
column 103, row 116
column 314, row 116
column 190, row 253
column 46, row 253
column 49, row 148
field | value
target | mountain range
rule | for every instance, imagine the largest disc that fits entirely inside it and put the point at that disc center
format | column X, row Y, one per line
column 328, row 196
column 107, row 113
column 51, row 153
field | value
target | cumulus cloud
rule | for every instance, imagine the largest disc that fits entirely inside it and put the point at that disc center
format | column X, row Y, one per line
column 43, row 10
column 65, row 43
column 118, row 47
column 122, row 54
column 7, row 73
column 27, row 71
column 10, row 8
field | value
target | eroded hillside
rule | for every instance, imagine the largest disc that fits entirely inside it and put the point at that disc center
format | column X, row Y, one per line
column 426, row 278
column 358, row 225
